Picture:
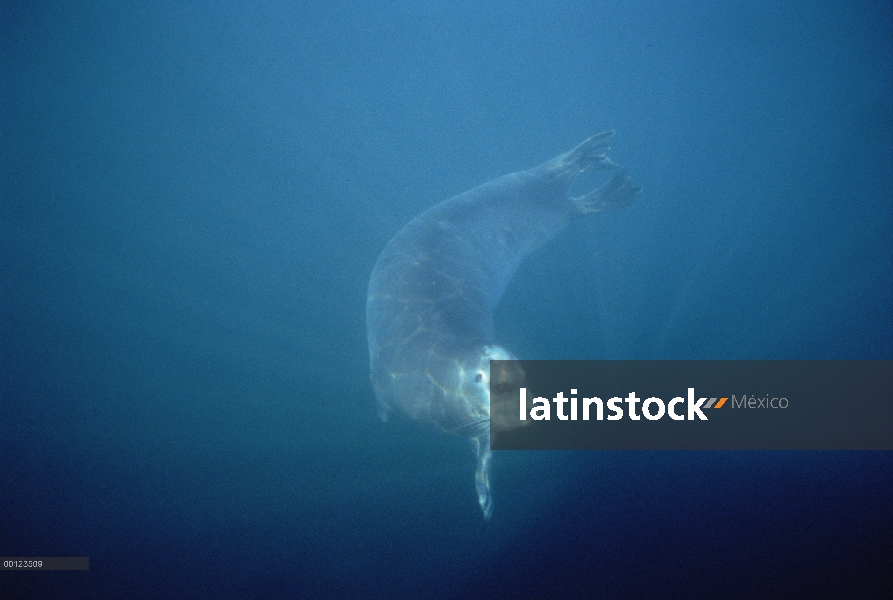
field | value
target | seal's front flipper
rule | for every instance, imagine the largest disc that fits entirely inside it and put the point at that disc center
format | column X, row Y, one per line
column 617, row 192
column 482, row 474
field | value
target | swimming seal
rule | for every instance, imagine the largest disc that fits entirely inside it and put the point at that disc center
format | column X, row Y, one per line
column 429, row 310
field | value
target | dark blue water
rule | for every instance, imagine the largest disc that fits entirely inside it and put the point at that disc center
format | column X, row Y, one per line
column 192, row 197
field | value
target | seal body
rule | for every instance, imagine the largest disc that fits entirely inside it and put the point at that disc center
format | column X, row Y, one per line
column 432, row 293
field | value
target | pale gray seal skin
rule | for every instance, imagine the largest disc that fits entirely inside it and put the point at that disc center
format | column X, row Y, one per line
column 429, row 311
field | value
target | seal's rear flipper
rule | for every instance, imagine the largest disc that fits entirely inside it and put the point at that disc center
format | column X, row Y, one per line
column 482, row 474
column 617, row 192
column 590, row 154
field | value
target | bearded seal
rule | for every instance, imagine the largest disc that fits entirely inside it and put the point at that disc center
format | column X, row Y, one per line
column 429, row 309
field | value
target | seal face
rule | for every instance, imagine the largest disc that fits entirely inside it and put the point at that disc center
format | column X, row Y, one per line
column 429, row 310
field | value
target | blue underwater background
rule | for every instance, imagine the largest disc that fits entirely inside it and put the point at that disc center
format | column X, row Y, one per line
column 193, row 195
